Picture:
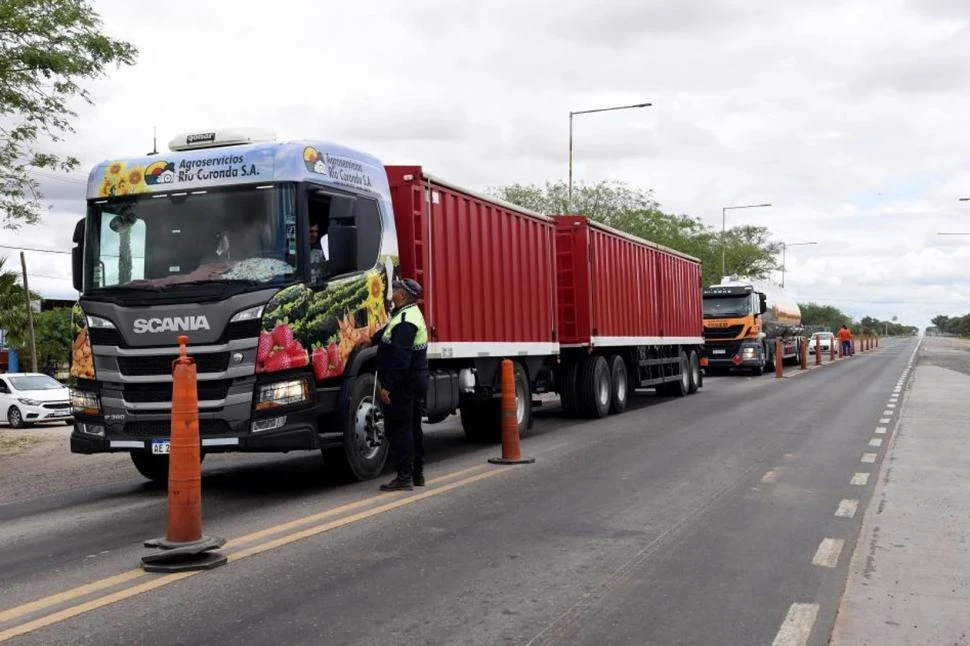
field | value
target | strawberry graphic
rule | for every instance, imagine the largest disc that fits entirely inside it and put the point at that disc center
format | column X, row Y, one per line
column 321, row 368
column 297, row 356
column 265, row 347
column 279, row 361
column 283, row 336
column 333, row 357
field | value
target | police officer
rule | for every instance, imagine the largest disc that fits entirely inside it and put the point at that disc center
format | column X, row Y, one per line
column 402, row 369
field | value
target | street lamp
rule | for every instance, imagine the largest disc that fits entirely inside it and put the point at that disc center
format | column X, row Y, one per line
column 569, row 198
column 724, row 211
column 784, row 248
column 953, row 233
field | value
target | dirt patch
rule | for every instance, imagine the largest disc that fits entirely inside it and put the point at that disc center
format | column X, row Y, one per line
column 37, row 461
column 952, row 354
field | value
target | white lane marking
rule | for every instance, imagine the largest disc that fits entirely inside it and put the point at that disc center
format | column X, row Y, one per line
column 797, row 626
column 847, row 508
column 869, row 458
column 881, row 430
column 890, row 405
column 827, row 554
column 885, row 420
column 770, row 477
column 860, row 479
column 888, row 412
column 876, row 441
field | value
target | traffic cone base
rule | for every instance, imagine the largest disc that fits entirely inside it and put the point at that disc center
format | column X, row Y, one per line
column 183, row 557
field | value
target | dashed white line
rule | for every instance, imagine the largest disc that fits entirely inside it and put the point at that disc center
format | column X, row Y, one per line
column 770, row 477
column 869, row 458
column 881, row 430
column 885, row 420
column 888, row 412
column 876, row 441
column 890, row 405
column 797, row 626
column 860, row 479
column 847, row 508
column 827, row 554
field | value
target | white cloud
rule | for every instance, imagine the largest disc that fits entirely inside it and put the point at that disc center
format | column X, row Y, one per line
column 848, row 117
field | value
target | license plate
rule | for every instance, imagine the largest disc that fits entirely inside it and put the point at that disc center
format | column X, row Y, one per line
column 161, row 447
column 719, row 351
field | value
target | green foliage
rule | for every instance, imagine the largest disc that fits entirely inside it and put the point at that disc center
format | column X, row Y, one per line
column 47, row 48
column 958, row 325
column 54, row 332
column 13, row 315
column 828, row 317
column 748, row 250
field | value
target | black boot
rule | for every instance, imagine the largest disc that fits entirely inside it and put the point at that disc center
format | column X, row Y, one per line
column 418, row 474
column 402, row 482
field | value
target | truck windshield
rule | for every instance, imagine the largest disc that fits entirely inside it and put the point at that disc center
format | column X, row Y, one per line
column 224, row 235
column 727, row 306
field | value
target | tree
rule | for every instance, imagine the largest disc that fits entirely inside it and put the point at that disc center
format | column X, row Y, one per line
column 604, row 202
column 47, row 48
column 55, row 334
column 13, row 317
column 825, row 316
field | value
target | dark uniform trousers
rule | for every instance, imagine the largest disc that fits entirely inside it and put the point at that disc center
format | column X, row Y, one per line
column 402, row 420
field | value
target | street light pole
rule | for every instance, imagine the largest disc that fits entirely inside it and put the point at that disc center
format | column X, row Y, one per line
column 724, row 210
column 784, row 249
column 569, row 198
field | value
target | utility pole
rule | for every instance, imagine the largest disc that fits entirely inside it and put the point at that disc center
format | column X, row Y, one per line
column 30, row 315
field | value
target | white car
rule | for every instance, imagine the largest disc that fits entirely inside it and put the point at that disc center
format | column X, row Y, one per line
column 825, row 339
column 29, row 397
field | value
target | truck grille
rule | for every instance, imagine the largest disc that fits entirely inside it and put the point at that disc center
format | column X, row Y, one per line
column 723, row 332
column 163, row 428
column 146, row 366
column 153, row 393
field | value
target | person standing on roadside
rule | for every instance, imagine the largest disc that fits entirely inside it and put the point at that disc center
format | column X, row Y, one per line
column 402, row 369
column 845, row 341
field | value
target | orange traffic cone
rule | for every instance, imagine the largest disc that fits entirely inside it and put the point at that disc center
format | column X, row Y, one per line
column 184, row 547
column 511, row 453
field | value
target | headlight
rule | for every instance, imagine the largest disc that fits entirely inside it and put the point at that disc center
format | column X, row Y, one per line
column 748, row 352
column 28, row 402
column 248, row 315
column 98, row 322
column 85, row 402
column 282, row 393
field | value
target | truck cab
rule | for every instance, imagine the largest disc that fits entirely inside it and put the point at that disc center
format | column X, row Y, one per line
column 733, row 331
column 213, row 240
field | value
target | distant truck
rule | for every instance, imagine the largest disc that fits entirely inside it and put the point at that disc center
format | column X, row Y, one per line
column 742, row 321
column 212, row 239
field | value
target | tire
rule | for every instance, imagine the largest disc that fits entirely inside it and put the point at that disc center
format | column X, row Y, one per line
column 681, row 387
column 15, row 418
column 696, row 380
column 153, row 467
column 595, row 389
column 619, row 385
column 482, row 420
column 364, row 449
column 569, row 389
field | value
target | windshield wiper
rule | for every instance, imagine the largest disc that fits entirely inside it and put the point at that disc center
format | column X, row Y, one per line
column 248, row 282
column 132, row 288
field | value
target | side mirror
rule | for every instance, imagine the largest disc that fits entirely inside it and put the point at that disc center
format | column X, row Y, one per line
column 77, row 256
column 342, row 243
column 764, row 302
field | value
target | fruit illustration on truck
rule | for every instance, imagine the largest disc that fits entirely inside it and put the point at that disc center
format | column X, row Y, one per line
column 743, row 319
column 211, row 240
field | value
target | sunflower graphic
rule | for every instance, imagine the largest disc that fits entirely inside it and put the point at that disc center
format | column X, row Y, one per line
column 375, row 305
column 115, row 169
column 136, row 180
column 105, row 189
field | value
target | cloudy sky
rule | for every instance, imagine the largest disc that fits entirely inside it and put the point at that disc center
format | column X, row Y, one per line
column 849, row 117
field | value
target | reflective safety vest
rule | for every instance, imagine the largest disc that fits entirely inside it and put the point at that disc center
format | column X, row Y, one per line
column 412, row 314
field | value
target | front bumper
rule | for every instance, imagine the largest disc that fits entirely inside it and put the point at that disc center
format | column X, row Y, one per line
column 38, row 414
column 734, row 354
column 298, row 433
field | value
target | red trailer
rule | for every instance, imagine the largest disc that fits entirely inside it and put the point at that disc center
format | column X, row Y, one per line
column 489, row 273
column 629, row 314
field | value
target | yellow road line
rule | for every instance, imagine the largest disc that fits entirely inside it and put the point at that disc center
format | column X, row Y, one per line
column 164, row 580
column 96, row 586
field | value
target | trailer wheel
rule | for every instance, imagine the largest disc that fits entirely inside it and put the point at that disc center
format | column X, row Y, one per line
column 154, row 467
column 620, row 385
column 482, row 420
column 696, row 380
column 364, row 449
column 569, row 389
column 595, row 390
column 681, row 387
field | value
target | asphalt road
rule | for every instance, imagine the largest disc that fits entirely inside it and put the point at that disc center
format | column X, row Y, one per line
column 682, row 521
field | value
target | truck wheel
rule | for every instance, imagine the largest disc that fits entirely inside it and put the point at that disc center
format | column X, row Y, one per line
column 364, row 451
column 568, row 390
column 696, row 380
column 15, row 418
column 620, row 385
column 681, row 387
column 595, row 390
column 154, row 467
column 482, row 420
